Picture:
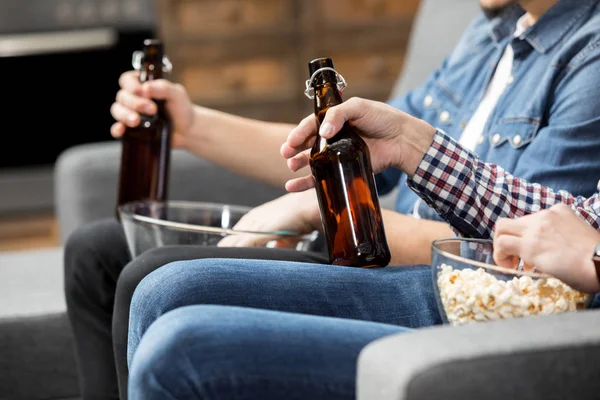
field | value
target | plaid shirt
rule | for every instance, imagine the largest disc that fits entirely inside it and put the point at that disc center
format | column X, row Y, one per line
column 471, row 195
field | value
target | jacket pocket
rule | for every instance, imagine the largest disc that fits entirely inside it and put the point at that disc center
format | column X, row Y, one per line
column 441, row 105
column 516, row 132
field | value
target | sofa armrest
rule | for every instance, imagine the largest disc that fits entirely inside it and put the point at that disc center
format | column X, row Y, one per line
column 86, row 178
column 544, row 357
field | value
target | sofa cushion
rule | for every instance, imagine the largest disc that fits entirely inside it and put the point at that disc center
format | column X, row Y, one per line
column 37, row 359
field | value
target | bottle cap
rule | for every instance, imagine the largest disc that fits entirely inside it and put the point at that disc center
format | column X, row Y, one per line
column 321, row 72
column 153, row 48
column 152, row 42
column 318, row 63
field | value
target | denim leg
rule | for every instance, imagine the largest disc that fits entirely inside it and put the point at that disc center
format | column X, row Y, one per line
column 221, row 352
column 155, row 259
column 400, row 296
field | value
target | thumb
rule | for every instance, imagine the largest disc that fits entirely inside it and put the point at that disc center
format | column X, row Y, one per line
column 506, row 260
column 507, row 249
column 335, row 118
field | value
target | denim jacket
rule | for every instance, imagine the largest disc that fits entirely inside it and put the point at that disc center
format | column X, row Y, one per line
column 545, row 127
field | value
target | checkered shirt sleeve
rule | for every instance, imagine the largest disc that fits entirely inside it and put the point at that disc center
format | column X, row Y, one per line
column 471, row 195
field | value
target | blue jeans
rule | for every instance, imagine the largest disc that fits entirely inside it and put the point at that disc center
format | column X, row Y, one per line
column 226, row 352
column 319, row 318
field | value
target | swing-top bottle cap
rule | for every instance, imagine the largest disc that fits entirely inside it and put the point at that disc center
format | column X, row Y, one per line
column 153, row 47
column 153, row 53
column 153, row 43
column 318, row 63
column 321, row 71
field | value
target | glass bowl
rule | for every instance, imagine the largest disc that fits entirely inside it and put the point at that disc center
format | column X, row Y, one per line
column 470, row 287
column 151, row 224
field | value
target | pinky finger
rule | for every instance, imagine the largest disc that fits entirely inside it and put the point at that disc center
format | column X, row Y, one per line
column 300, row 184
column 117, row 130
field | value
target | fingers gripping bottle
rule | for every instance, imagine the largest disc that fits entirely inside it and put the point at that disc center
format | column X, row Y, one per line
column 146, row 148
column 344, row 181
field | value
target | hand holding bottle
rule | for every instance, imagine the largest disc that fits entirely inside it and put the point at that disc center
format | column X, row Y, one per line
column 395, row 139
column 146, row 146
column 135, row 98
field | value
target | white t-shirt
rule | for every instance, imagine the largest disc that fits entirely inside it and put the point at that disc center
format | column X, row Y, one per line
column 473, row 131
column 502, row 77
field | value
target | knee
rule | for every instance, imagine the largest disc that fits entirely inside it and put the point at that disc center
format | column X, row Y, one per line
column 158, row 289
column 175, row 284
column 152, row 359
column 165, row 348
column 84, row 252
column 182, row 283
column 161, row 341
column 157, row 293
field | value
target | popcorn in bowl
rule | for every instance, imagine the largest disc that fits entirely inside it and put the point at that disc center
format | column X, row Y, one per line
column 473, row 294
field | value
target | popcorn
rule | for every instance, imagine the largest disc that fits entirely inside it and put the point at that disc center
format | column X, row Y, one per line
column 470, row 295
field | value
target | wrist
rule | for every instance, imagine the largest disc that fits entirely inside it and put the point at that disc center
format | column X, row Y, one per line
column 415, row 141
column 586, row 274
column 197, row 129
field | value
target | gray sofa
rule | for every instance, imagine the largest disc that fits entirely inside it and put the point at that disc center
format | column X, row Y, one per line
column 36, row 353
column 535, row 358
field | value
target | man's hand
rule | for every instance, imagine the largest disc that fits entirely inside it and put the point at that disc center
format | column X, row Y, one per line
column 135, row 98
column 556, row 241
column 395, row 139
column 297, row 212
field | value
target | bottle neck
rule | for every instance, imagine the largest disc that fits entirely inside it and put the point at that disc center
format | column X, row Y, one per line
column 327, row 95
column 152, row 68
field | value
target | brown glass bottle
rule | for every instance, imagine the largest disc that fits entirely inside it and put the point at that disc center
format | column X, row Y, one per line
column 146, row 149
column 345, row 184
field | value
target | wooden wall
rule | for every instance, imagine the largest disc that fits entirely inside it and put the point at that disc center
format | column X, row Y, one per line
column 250, row 57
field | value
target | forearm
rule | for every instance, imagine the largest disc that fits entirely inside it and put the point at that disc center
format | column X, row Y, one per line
column 410, row 239
column 472, row 195
column 242, row 145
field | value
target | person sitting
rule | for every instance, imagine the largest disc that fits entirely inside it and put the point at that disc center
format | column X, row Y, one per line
column 520, row 89
column 263, row 329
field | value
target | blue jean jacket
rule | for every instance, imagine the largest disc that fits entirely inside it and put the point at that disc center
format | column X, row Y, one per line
column 545, row 127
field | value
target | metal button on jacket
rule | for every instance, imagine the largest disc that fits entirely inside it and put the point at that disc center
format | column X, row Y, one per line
column 428, row 101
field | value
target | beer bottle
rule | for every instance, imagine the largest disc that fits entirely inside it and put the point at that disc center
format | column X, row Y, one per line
column 344, row 181
column 146, row 148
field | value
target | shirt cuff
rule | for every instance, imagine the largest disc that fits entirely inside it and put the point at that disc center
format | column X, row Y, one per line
column 442, row 174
